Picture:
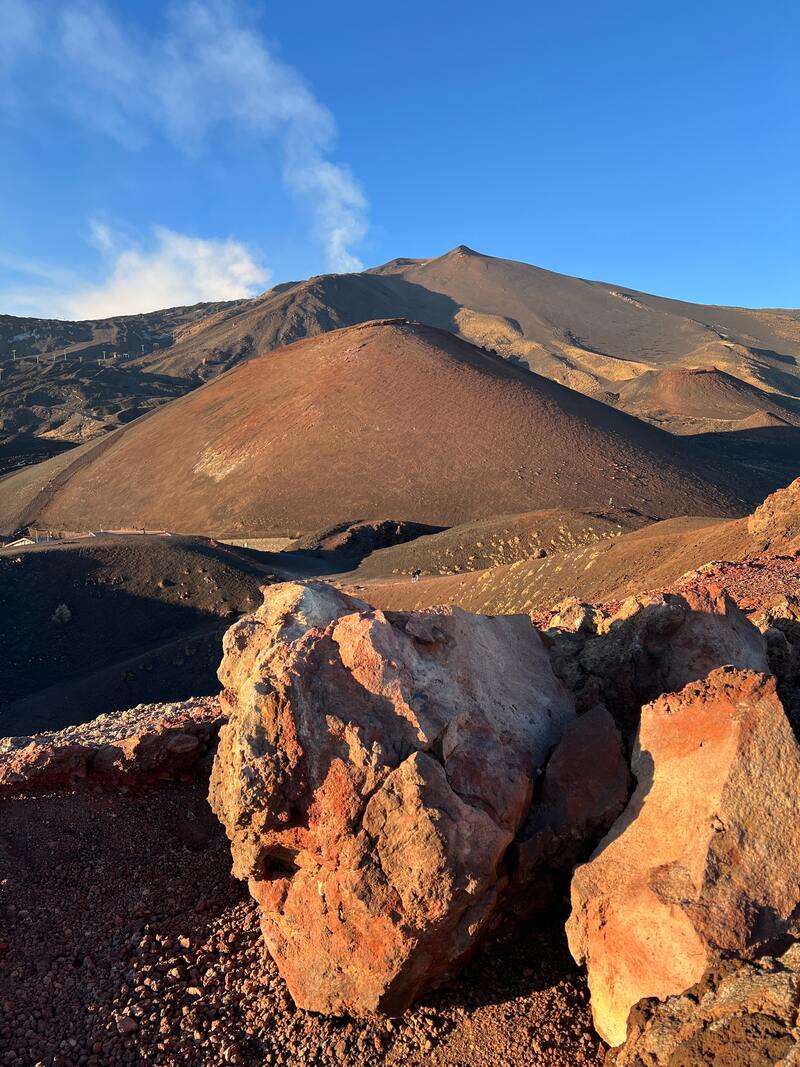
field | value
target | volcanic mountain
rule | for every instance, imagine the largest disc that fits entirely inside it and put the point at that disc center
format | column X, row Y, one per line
column 391, row 418
column 591, row 336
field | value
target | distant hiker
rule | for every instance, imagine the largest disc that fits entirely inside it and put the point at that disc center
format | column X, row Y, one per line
column 415, row 575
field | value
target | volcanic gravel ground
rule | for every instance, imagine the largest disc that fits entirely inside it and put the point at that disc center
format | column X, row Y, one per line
column 123, row 939
column 753, row 583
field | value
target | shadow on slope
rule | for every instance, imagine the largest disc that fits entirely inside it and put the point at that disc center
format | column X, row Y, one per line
column 88, row 628
column 768, row 455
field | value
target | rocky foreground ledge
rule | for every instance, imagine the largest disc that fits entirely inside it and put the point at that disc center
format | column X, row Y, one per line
column 397, row 786
column 405, row 792
column 147, row 744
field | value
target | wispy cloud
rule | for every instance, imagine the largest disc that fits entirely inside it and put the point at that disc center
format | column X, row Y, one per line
column 168, row 270
column 21, row 30
column 171, row 270
column 209, row 69
column 175, row 270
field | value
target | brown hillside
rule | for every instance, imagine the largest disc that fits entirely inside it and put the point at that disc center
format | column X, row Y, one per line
column 696, row 399
column 590, row 336
column 388, row 418
column 498, row 540
column 650, row 558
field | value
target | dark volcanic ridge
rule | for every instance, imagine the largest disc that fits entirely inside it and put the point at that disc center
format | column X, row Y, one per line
column 95, row 626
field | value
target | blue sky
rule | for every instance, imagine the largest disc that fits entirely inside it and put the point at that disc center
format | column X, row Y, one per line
column 160, row 153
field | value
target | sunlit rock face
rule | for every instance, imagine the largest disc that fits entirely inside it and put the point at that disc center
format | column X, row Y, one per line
column 373, row 773
column 704, row 863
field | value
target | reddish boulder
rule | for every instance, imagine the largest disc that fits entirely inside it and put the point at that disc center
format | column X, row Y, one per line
column 705, row 860
column 585, row 786
column 373, row 773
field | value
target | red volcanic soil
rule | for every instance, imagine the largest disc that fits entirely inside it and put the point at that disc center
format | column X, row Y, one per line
column 388, row 418
column 124, row 940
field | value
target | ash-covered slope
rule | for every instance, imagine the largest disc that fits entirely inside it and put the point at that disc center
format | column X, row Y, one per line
column 387, row 418
column 654, row 557
column 73, row 381
column 590, row 336
column 585, row 334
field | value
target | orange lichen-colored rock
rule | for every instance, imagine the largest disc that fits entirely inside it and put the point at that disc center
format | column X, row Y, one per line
column 705, row 860
column 777, row 520
column 373, row 773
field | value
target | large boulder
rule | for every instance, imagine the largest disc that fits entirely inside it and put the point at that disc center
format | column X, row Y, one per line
column 705, row 860
column 650, row 645
column 742, row 1014
column 372, row 776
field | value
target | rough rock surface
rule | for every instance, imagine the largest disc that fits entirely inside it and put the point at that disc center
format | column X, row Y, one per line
column 651, row 645
column 705, row 860
column 372, row 775
column 145, row 744
column 742, row 1014
column 780, row 624
column 585, row 786
column 777, row 521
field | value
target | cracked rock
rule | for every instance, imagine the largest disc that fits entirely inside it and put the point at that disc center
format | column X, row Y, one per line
column 742, row 1014
column 373, row 773
column 650, row 645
